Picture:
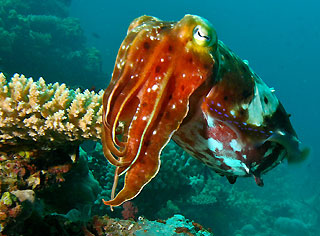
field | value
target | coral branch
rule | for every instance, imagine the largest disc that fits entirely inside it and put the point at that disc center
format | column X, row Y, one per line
column 47, row 114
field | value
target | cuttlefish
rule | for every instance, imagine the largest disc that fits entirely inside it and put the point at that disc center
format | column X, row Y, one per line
column 177, row 80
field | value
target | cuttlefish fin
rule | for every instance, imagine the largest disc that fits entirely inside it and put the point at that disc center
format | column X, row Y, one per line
column 295, row 153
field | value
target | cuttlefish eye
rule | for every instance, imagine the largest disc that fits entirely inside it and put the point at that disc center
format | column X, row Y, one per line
column 204, row 35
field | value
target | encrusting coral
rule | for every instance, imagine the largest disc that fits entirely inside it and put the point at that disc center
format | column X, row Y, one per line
column 52, row 114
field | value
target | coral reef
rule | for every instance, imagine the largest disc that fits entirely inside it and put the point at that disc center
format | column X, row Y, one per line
column 42, row 170
column 289, row 226
column 176, row 225
column 47, row 115
column 35, row 184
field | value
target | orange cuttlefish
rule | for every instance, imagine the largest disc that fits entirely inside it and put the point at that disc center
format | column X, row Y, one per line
column 176, row 79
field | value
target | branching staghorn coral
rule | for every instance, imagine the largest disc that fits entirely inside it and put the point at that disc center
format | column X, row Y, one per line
column 52, row 114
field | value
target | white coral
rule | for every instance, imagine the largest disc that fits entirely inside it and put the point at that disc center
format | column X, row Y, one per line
column 36, row 111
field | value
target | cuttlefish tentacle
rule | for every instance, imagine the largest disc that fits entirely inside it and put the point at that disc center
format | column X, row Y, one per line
column 150, row 94
column 146, row 162
column 119, row 96
column 138, row 132
column 107, row 151
column 140, row 173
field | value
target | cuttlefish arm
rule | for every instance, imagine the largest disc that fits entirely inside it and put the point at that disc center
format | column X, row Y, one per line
column 150, row 94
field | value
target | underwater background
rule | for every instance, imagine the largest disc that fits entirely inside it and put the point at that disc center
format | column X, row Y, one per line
column 76, row 42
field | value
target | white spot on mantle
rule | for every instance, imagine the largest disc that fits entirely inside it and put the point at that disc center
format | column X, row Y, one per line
column 154, row 87
column 214, row 145
column 235, row 165
column 235, row 145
